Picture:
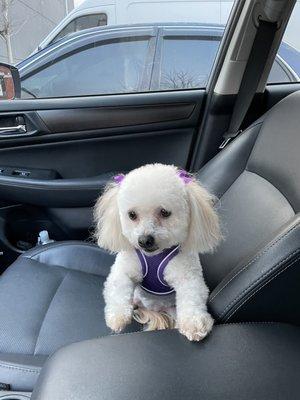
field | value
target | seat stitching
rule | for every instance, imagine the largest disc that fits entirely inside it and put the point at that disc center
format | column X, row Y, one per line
column 64, row 267
column 80, row 271
column 39, row 251
column 258, row 289
column 48, row 308
column 257, row 257
column 20, row 368
column 260, row 278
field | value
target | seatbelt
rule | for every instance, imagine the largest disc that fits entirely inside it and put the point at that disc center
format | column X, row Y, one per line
column 255, row 66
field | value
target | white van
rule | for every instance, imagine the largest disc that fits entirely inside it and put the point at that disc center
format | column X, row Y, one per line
column 92, row 13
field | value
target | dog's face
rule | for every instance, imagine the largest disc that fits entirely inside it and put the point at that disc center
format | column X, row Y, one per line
column 152, row 209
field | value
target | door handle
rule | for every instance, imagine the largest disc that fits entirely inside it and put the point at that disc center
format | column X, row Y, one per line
column 13, row 130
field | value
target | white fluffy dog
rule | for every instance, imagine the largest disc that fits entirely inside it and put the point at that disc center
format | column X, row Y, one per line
column 158, row 219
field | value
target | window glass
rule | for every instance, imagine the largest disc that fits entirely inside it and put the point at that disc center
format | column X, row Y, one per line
column 288, row 57
column 186, row 62
column 181, row 41
column 110, row 67
column 279, row 72
column 80, row 23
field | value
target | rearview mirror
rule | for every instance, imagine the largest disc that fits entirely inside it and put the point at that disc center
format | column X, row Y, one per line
column 10, row 84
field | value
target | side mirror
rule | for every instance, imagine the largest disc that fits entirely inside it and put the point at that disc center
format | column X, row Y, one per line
column 10, row 83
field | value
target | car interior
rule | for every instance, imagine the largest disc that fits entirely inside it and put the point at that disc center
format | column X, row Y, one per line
column 241, row 139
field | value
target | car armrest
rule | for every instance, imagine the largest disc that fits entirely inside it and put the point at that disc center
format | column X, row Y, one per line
column 165, row 365
column 77, row 192
column 265, row 287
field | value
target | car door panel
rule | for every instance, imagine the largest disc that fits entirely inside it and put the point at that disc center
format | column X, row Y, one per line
column 161, row 123
column 79, row 164
column 78, row 144
column 112, row 117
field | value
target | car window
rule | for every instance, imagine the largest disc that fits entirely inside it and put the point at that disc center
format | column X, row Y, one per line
column 114, row 66
column 280, row 72
column 287, row 65
column 179, row 54
column 186, row 62
column 82, row 22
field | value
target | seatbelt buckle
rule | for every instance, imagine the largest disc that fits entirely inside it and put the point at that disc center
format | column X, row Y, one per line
column 224, row 143
column 228, row 138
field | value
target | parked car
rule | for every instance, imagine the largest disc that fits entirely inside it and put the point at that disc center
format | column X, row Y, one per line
column 93, row 13
column 120, row 59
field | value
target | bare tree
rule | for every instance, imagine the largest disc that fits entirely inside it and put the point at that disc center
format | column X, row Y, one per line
column 177, row 79
column 6, row 27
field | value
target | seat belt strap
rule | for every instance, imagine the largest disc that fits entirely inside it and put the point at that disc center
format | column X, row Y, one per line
column 258, row 57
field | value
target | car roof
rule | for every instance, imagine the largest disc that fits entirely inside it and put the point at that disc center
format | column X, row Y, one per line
column 215, row 28
column 207, row 29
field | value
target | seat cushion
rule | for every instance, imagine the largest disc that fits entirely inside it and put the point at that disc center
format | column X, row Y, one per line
column 51, row 296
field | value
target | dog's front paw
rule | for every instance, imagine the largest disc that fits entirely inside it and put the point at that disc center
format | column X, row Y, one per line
column 196, row 327
column 117, row 320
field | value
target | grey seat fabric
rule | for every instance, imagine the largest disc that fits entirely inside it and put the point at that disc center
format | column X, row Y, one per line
column 52, row 296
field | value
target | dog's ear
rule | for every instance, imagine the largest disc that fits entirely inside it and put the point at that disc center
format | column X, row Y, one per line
column 204, row 230
column 108, row 225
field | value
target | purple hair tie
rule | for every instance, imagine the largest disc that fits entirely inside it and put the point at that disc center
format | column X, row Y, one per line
column 119, row 178
column 185, row 176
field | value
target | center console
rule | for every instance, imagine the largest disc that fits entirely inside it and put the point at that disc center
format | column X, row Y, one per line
column 237, row 361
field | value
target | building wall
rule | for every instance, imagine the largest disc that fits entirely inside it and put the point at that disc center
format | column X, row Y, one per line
column 32, row 20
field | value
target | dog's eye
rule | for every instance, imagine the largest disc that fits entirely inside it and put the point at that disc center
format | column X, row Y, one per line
column 164, row 213
column 132, row 215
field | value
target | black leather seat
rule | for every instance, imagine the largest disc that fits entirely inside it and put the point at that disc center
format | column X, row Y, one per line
column 52, row 295
column 236, row 362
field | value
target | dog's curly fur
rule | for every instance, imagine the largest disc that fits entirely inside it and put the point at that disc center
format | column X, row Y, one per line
column 193, row 224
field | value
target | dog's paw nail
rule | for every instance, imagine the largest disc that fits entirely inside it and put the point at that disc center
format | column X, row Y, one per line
column 197, row 327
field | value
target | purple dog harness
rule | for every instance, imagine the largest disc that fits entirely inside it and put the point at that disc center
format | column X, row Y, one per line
column 153, row 271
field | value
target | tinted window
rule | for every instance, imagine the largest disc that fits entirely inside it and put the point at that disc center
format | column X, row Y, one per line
column 186, row 62
column 80, row 23
column 110, row 67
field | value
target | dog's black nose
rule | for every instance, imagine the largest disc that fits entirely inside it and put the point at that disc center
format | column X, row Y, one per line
column 146, row 242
